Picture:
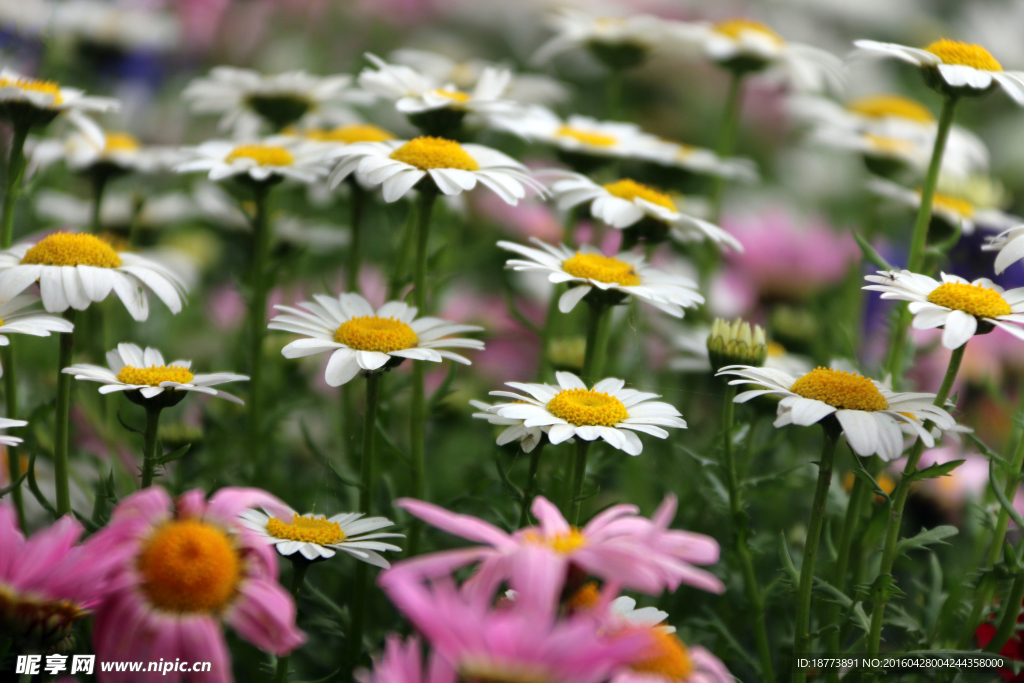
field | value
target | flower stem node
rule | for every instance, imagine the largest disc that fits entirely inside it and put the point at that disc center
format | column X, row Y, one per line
column 442, row 123
column 280, row 109
column 736, row 343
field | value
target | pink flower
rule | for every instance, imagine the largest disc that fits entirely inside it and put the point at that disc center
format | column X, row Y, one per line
column 617, row 546
column 788, row 258
column 525, row 220
column 403, row 663
column 47, row 582
column 190, row 567
column 517, row 640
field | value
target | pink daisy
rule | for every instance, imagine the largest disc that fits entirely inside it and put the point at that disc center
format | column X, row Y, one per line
column 618, row 546
column 402, row 662
column 190, row 567
column 47, row 582
column 515, row 640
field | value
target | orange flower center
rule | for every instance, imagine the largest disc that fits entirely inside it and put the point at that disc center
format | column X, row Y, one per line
column 667, row 657
column 189, row 566
column 564, row 543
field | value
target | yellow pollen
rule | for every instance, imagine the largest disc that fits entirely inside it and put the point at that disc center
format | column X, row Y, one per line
column 882, row 106
column 601, row 269
column 776, row 350
column 734, row 28
column 189, row 566
column 585, row 598
column 306, row 528
column 264, row 155
column 357, row 132
column 456, row 95
column 427, row 152
column 976, row 300
column 965, row 54
column 371, row 333
column 888, row 145
column 630, row 189
column 121, row 142
column 587, row 137
column 49, row 87
column 586, row 407
column 565, row 543
column 667, row 657
column 842, row 390
column 154, row 375
column 72, row 249
column 958, row 206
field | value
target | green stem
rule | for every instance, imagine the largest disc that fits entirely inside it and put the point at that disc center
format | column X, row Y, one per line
column 13, row 460
column 739, row 520
column 15, row 174
column 149, row 445
column 899, row 499
column 362, row 586
column 598, row 329
column 1008, row 621
column 354, row 248
column 919, row 239
column 405, row 248
column 299, row 568
column 803, row 606
column 99, row 186
column 531, row 483
column 550, row 322
column 260, row 280
column 727, row 138
column 613, row 93
column 60, row 445
column 578, row 477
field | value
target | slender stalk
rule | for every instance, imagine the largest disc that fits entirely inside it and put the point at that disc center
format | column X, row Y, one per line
column 899, row 499
column 754, row 597
column 613, row 93
column 260, row 277
column 531, row 483
column 598, row 328
column 15, row 174
column 1008, row 620
column 13, row 459
column 99, row 186
column 60, row 445
column 362, row 586
column 578, row 477
column 727, row 138
column 354, row 247
column 919, row 239
column 550, row 321
column 418, row 408
column 405, row 247
column 803, row 605
column 299, row 568
column 149, row 445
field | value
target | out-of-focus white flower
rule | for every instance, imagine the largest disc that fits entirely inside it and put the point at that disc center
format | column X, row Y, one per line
column 119, row 209
column 618, row 41
column 37, row 103
column 951, row 208
column 120, row 153
column 580, row 134
column 263, row 160
column 701, row 160
column 128, row 27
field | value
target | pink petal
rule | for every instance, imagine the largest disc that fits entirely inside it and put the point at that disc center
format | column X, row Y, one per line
column 228, row 503
column 264, row 614
column 464, row 526
column 551, row 520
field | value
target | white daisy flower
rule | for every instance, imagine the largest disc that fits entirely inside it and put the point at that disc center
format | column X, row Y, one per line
column 625, row 273
column 120, row 153
column 320, row 537
column 607, row 411
column 623, row 204
column 528, row 437
column 15, row 320
column 75, row 269
column 747, row 45
column 871, row 416
column 701, row 160
column 6, row 439
column 132, row 369
column 623, row 610
column 959, row 306
column 120, row 209
column 1009, row 244
column 127, row 27
column 615, row 40
column 245, row 98
column 360, row 338
column 398, row 166
column 950, row 208
column 270, row 159
column 39, row 102
column 950, row 66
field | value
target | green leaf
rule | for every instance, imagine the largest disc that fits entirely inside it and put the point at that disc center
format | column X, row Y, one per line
column 174, row 455
column 863, row 473
column 936, row 471
column 128, row 426
column 86, row 522
column 34, row 487
column 927, row 537
column 7, row 489
column 1001, row 497
column 787, row 561
column 988, row 452
column 870, row 254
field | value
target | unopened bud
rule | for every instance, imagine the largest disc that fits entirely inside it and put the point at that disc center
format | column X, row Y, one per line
column 736, row 343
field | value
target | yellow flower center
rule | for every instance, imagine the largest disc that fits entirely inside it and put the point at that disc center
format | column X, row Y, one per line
column 776, row 350
column 667, row 657
column 601, row 269
column 888, row 145
column 358, row 132
column 372, row 333
column 154, row 375
column 587, row 137
column 189, row 566
column 48, row 87
column 965, row 54
column 72, row 249
column 842, row 390
column 587, row 597
column 427, row 152
column 121, row 142
column 979, row 301
column 734, row 28
column 564, row 543
column 630, row 189
column 882, row 106
column 455, row 95
column 306, row 528
column 264, row 155
column 586, row 407
column 957, row 205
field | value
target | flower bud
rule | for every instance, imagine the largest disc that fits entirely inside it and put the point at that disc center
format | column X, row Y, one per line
column 736, row 343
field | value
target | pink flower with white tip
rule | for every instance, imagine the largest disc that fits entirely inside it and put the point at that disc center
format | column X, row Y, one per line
column 191, row 567
column 618, row 546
